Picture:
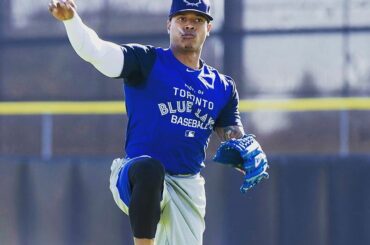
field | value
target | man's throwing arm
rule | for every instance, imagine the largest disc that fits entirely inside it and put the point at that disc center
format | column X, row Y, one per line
column 106, row 57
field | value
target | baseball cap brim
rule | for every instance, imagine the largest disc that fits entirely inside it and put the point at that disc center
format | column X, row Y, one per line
column 207, row 16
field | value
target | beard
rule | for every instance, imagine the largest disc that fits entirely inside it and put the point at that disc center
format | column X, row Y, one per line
column 189, row 47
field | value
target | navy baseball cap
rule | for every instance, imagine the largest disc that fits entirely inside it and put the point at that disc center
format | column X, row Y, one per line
column 201, row 6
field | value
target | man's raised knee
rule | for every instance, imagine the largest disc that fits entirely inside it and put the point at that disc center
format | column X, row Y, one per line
column 147, row 170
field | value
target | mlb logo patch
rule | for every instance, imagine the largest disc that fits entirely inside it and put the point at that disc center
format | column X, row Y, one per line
column 189, row 134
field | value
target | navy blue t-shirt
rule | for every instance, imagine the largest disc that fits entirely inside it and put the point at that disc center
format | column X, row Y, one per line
column 172, row 109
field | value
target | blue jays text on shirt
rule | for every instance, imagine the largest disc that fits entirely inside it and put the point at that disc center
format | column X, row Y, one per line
column 180, row 108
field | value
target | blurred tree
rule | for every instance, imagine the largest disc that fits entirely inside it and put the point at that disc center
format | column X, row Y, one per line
column 307, row 131
column 4, row 22
column 307, row 86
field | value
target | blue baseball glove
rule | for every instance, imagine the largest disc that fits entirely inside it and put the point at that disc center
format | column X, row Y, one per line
column 246, row 155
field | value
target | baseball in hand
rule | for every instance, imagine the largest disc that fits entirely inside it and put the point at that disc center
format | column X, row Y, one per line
column 62, row 9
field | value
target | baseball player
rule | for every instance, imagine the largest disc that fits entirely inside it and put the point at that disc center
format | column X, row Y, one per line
column 174, row 101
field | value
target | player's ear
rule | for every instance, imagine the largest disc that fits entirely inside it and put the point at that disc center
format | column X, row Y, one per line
column 168, row 25
column 209, row 28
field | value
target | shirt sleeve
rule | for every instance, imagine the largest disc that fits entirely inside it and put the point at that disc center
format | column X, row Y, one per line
column 139, row 61
column 105, row 56
column 230, row 115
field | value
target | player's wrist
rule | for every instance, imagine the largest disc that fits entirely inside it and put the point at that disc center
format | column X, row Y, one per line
column 73, row 22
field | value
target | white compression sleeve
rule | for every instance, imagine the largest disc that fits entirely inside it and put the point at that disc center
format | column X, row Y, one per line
column 107, row 57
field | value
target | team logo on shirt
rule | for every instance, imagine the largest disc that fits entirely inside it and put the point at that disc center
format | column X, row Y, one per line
column 193, row 3
column 189, row 133
column 207, row 78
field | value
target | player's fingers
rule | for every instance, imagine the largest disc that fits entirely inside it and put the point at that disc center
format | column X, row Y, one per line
column 52, row 4
column 52, row 7
column 64, row 5
column 60, row 4
column 55, row 3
